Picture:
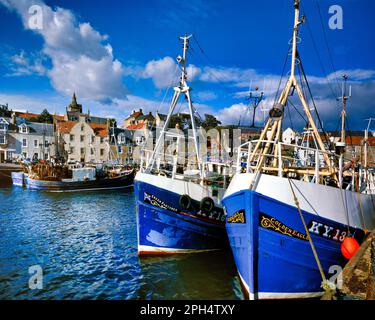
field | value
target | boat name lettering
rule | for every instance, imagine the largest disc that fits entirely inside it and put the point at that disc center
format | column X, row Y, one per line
column 237, row 217
column 271, row 223
column 151, row 199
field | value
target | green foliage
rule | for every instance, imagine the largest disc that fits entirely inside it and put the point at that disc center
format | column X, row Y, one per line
column 210, row 122
column 4, row 111
column 44, row 117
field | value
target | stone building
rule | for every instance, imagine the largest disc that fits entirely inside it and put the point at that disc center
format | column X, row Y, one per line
column 84, row 141
column 137, row 120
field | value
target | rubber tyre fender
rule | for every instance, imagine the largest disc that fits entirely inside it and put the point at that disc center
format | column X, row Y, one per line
column 185, row 202
column 207, row 205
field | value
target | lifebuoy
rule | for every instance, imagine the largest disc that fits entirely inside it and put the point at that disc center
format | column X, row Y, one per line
column 207, row 205
column 185, row 201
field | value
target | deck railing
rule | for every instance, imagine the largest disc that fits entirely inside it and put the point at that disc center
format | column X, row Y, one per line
column 285, row 158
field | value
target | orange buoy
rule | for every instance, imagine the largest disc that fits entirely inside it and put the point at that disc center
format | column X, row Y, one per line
column 348, row 247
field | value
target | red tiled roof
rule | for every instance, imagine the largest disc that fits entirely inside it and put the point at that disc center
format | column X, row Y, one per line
column 135, row 114
column 99, row 129
column 59, row 117
column 28, row 115
column 136, row 126
column 65, row 126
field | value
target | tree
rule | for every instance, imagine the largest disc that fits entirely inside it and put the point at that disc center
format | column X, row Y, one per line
column 4, row 111
column 210, row 122
column 44, row 117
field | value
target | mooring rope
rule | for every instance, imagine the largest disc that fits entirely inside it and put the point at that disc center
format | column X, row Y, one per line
column 328, row 286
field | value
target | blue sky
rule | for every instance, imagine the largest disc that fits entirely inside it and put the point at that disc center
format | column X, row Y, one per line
column 120, row 55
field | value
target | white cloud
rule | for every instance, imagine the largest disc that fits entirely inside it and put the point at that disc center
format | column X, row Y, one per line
column 164, row 72
column 82, row 60
column 23, row 65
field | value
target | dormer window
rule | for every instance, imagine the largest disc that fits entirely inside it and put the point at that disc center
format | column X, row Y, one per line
column 23, row 128
column 3, row 125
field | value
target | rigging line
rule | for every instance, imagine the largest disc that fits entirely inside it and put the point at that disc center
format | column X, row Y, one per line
column 345, row 206
column 153, row 124
column 334, row 94
column 290, row 118
column 304, row 197
column 282, row 74
column 312, row 99
column 295, row 108
column 219, row 81
column 326, row 42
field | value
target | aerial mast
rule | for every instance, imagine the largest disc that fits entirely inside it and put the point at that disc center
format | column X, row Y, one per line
column 344, row 98
column 255, row 99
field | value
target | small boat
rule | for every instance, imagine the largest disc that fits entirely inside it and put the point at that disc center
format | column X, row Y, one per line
column 49, row 177
column 178, row 204
column 290, row 208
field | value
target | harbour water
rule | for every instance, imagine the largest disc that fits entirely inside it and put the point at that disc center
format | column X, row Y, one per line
column 86, row 245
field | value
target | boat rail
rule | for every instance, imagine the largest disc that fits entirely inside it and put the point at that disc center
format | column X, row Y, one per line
column 286, row 161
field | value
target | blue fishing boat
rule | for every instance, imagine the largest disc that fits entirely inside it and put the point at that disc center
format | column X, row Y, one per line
column 178, row 206
column 287, row 215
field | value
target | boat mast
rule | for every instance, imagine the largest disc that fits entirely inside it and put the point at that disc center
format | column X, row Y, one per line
column 182, row 88
column 273, row 125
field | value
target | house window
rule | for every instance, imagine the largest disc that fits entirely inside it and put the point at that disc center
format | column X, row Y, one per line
column 23, row 128
column 24, row 142
column 82, row 138
column 46, row 156
column 119, row 148
column 71, row 149
column 2, row 140
column 24, row 155
column 82, row 150
column 35, row 143
column 3, row 127
column 82, row 127
column 72, row 137
column 101, row 139
column 92, row 139
column 101, row 152
column 92, row 151
column 46, row 144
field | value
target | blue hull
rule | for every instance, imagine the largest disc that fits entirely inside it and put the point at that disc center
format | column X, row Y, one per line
column 165, row 228
column 271, row 250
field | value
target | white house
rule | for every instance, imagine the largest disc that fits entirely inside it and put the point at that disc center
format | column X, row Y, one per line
column 289, row 136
